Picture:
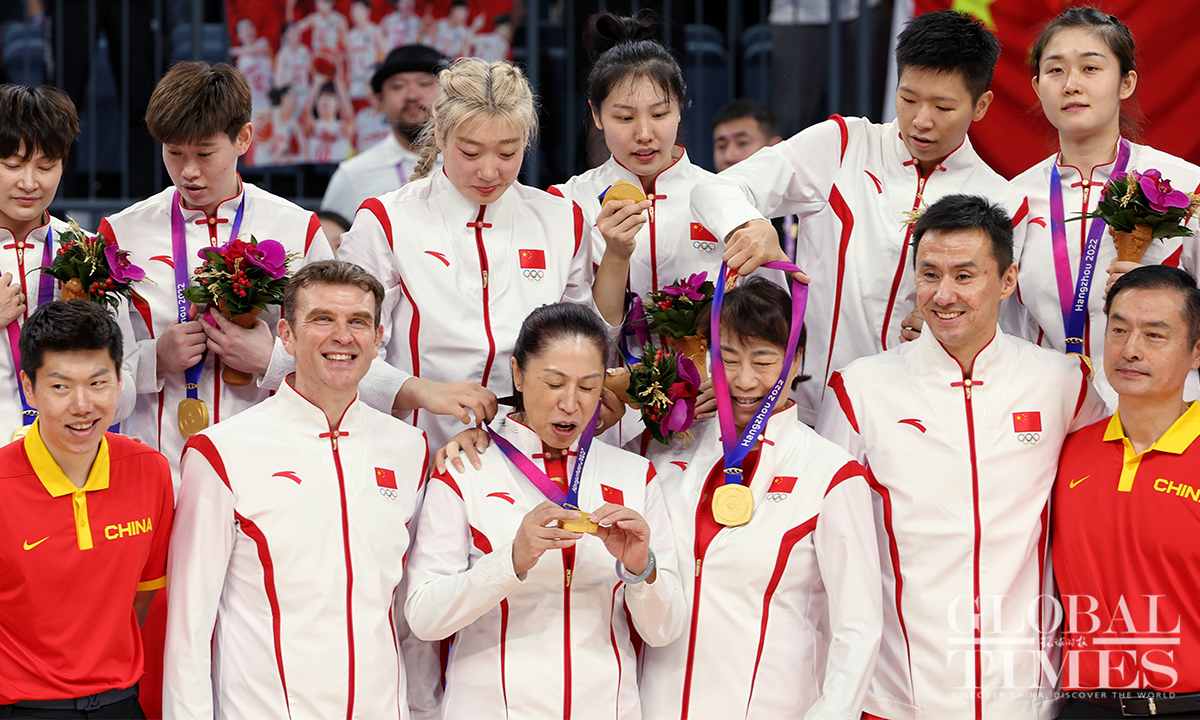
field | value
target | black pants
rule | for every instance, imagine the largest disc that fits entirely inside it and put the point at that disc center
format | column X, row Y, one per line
column 1078, row 709
column 127, row 709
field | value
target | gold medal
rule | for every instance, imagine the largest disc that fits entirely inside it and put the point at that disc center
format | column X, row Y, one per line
column 732, row 505
column 193, row 416
column 580, row 524
column 21, row 432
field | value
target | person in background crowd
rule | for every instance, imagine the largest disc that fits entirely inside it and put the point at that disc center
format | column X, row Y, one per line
column 785, row 609
column 1125, row 513
column 1085, row 75
column 465, row 253
column 543, row 625
column 857, row 186
column 83, row 528
column 404, row 85
column 293, row 65
column 402, row 26
column 201, row 115
column 289, row 548
column 960, row 431
column 496, row 45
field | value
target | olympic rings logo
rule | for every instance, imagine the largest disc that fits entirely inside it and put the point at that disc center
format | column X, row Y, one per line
column 704, row 246
column 534, row 274
column 776, row 497
column 1029, row 438
column 389, row 493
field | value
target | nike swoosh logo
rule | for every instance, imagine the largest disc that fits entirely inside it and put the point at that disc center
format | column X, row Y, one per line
column 29, row 546
column 1076, row 482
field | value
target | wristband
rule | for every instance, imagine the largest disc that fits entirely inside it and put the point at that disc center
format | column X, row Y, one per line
column 640, row 578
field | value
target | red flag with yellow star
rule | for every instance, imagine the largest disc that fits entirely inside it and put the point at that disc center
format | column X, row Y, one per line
column 699, row 232
column 533, row 259
column 385, row 478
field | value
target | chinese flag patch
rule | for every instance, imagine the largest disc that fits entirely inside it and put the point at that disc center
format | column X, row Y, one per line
column 1027, row 422
column 782, row 485
column 612, row 495
column 699, row 232
column 385, row 478
column 532, row 259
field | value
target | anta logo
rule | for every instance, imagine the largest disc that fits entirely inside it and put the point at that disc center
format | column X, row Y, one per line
column 912, row 421
column 439, row 256
column 129, row 529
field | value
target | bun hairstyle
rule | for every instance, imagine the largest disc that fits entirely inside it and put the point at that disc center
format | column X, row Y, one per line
column 1116, row 36
column 549, row 324
column 474, row 89
column 625, row 49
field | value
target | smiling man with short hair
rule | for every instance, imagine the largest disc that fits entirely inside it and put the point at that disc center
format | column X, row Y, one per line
column 83, row 528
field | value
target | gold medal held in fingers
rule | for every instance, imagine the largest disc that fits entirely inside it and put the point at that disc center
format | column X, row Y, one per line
column 732, row 505
column 580, row 524
column 193, row 416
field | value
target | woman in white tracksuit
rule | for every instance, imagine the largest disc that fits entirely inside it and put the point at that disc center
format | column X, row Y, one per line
column 543, row 620
column 784, row 611
column 1084, row 72
column 464, row 253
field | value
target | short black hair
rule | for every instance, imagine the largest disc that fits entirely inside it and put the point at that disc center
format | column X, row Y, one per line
column 969, row 212
column 758, row 308
column 1163, row 277
column 66, row 326
column 745, row 107
column 946, row 41
column 334, row 217
column 36, row 119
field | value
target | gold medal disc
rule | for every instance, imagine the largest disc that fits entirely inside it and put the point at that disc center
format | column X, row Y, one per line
column 732, row 505
column 580, row 524
column 193, row 416
column 21, row 432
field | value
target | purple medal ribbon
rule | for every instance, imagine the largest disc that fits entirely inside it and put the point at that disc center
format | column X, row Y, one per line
column 569, row 499
column 179, row 257
column 735, row 450
column 401, row 173
column 45, row 295
column 1075, row 306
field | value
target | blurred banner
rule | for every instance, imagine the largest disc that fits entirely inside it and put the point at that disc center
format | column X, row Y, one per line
column 1014, row 135
column 309, row 64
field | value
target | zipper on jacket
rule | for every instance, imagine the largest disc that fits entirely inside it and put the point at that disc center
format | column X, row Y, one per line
column 966, row 386
column 653, row 197
column 337, row 463
column 891, row 305
column 568, row 559
column 479, row 225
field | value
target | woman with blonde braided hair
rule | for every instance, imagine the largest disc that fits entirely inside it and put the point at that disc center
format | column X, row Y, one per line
column 465, row 253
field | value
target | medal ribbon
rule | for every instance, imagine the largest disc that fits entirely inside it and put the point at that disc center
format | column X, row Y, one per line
column 45, row 295
column 179, row 257
column 401, row 173
column 569, row 499
column 1075, row 306
column 736, row 449
column 637, row 326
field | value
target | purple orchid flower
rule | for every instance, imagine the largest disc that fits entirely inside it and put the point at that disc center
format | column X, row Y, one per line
column 682, row 395
column 119, row 267
column 1161, row 196
column 688, row 288
column 269, row 255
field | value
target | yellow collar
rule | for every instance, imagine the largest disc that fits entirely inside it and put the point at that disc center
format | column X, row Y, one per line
column 1182, row 433
column 52, row 476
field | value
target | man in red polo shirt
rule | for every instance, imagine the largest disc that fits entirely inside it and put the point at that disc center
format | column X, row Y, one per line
column 84, row 520
column 1127, row 514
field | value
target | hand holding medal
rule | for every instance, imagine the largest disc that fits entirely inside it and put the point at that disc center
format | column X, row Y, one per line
column 733, row 503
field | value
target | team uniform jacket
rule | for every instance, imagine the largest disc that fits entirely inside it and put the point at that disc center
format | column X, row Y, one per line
column 557, row 642
column 289, row 540
column 1038, row 288
column 24, row 263
column 785, row 617
column 144, row 229
column 853, row 185
column 963, row 472
column 460, row 279
column 379, row 169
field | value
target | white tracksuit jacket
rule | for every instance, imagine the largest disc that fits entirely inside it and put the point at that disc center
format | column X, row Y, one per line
column 24, row 263
column 144, row 229
column 291, row 542
column 1037, row 285
column 850, row 182
column 557, row 643
column 457, row 292
column 785, row 616
column 963, row 474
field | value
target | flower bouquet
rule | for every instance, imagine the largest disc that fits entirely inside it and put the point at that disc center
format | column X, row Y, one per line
column 676, row 311
column 241, row 279
column 92, row 268
column 1139, row 207
column 664, row 386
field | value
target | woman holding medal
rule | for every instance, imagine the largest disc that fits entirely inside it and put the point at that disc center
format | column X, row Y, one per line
column 1085, row 77
column 776, row 526
column 543, row 623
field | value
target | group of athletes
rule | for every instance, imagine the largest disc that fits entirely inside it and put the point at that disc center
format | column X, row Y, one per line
column 941, row 468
